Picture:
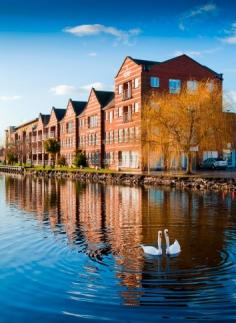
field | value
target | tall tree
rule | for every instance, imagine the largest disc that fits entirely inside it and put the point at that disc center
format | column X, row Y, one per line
column 52, row 147
column 188, row 120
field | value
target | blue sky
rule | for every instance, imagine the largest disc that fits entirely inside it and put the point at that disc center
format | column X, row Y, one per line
column 53, row 50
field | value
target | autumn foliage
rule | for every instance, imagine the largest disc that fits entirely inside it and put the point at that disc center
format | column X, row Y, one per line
column 186, row 122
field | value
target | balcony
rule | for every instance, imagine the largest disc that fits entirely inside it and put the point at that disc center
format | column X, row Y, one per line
column 127, row 94
column 52, row 135
column 127, row 117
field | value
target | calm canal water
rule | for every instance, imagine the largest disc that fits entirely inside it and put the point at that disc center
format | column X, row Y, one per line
column 71, row 252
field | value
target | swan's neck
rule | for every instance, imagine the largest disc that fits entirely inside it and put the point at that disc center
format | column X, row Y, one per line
column 159, row 243
column 167, row 242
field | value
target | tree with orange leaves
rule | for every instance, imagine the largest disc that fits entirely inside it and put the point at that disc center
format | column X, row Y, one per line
column 187, row 120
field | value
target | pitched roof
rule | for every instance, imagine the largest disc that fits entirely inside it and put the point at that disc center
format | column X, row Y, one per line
column 219, row 75
column 110, row 104
column 45, row 118
column 78, row 106
column 104, row 97
column 146, row 63
column 59, row 113
column 26, row 124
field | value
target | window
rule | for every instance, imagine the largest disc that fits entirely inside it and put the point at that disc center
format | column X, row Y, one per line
column 154, row 81
column 120, row 88
column 136, row 107
column 120, row 112
column 131, row 133
column 95, row 139
column 174, row 86
column 136, row 83
column 126, row 134
column 92, row 121
column 70, row 126
column 116, row 136
column 111, row 116
column 120, row 135
column 111, row 137
column 210, row 85
column 191, row 85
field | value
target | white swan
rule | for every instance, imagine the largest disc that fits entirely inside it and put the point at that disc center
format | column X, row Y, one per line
column 171, row 249
column 152, row 250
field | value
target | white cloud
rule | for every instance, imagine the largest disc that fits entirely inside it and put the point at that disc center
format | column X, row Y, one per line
column 92, row 54
column 96, row 85
column 231, row 38
column 120, row 35
column 196, row 53
column 10, row 98
column 197, row 12
column 63, row 89
column 72, row 90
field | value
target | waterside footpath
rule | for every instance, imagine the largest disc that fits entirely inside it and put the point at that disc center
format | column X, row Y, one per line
column 193, row 182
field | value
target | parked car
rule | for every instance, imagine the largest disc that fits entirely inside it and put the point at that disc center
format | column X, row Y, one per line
column 214, row 163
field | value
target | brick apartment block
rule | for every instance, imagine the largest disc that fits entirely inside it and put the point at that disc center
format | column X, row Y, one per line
column 52, row 129
column 69, row 130
column 108, row 127
column 91, row 127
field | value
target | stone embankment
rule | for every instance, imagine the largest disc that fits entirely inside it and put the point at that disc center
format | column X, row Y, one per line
column 186, row 182
column 12, row 169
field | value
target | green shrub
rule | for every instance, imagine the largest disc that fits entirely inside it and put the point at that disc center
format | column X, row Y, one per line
column 80, row 159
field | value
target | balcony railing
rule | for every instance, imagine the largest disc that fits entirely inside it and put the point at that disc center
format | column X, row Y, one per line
column 127, row 117
column 127, row 94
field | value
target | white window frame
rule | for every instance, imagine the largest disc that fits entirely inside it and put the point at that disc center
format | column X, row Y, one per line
column 120, row 88
column 136, row 82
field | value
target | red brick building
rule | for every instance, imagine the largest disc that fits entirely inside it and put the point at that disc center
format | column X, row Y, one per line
column 38, row 139
column 52, row 129
column 134, row 81
column 69, row 130
column 108, row 127
column 91, row 127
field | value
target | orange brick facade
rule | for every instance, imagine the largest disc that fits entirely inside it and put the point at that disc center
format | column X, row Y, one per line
column 108, row 127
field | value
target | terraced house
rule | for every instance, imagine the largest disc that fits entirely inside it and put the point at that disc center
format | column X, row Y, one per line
column 69, row 130
column 108, row 128
column 91, row 127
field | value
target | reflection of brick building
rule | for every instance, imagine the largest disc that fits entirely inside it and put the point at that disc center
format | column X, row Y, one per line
column 108, row 127
column 2, row 155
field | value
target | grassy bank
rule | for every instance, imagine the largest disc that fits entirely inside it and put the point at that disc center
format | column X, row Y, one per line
column 70, row 169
